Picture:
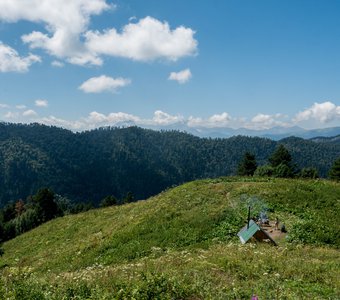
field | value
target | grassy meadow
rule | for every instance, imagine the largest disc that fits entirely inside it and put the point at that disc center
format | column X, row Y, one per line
column 182, row 244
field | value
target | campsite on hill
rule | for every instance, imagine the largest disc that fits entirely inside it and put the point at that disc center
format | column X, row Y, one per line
column 182, row 244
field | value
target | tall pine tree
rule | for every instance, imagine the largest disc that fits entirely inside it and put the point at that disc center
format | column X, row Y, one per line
column 281, row 161
column 247, row 165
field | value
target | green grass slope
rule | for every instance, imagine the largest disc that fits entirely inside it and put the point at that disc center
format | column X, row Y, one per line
column 181, row 244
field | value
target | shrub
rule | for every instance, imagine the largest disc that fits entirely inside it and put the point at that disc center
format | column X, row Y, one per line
column 309, row 173
column 265, row 170
column 283, row 171
column 108, row 201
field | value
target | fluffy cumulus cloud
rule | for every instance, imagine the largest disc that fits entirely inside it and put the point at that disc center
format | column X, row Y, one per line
column 215, row 121
column 41, row 103
column 181, row 76
column 149, row 39
column 321, row 112
column 112, row 119
column 29, row 113
column 64, row 21
column 11, row 61
column 163, row 119
column 66, row 33
column 104, row 84
column 265, row 121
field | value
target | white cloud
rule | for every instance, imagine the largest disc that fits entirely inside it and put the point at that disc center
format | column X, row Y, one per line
column 2, row 105
column 215, row 121
column 57, row 64
column 10, row 60
column 11, row 115
column 41, row 103
column 29, row 113
column 149, row 39
column 66, row 35
column 96, row 119
column 265, row 121
column 54, row 121
column 65, row 21
column 181, row 77
column 111, row 119
column 103, row 83
column 163, row 118
column 322, row 112
column 21, row 106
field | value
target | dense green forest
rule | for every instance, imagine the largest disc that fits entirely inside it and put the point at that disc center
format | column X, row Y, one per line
column 91, row 165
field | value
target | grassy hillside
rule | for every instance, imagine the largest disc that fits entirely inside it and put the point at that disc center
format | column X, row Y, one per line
column 181, row 244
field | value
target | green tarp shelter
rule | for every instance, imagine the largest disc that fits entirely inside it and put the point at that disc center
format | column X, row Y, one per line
column 253, row 230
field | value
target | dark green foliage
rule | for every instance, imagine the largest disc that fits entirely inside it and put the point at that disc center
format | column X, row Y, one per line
column 27, row 221
column 64, row 204
column 113, row 161
column 81, row 207
column 281, row 164
column 283, row 171
column 9, row 230
column 1, row 237
column 334, row 172
column 8, row 212
column 128, row 198
column 46, row 207
column 247, row 165
column 264, row 171
column 108, row 201
column 311, row 173
column 280, row 156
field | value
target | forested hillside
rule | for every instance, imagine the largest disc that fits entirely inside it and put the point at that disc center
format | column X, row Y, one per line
column 90, row 165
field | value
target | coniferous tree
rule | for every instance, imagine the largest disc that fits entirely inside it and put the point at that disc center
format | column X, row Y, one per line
column 280, row 156
column 334, row 172
column 247, row 165
column 281, row 161
column 45, row 204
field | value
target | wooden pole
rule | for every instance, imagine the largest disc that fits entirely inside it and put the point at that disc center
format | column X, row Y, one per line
column 248, row 217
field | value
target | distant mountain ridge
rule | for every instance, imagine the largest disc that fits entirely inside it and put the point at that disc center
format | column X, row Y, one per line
column 275, row 133
column 322, row 139
column 88, row 166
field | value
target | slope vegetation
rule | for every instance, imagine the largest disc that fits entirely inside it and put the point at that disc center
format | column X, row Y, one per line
column 181, row 244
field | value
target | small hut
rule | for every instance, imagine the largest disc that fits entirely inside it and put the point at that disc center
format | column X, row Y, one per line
column 253, row 230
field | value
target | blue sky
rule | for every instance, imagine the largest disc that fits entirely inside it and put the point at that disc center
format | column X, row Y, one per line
column 83, row 64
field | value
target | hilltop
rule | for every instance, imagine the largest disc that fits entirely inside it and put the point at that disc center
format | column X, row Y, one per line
column 89, row 166
column 181, row 244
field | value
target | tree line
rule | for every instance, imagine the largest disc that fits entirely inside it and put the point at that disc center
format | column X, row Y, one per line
column 88, row 166
column 280, row 164
column 23, row 215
